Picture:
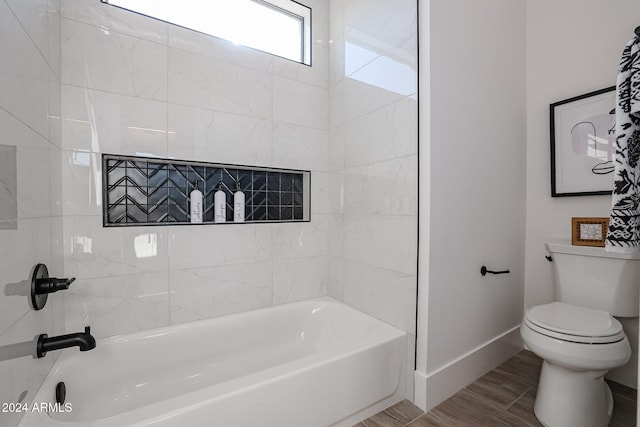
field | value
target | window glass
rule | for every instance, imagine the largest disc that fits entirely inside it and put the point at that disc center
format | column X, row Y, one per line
column 279, row 27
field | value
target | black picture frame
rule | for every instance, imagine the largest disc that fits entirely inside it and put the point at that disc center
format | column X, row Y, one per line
column 569, row 114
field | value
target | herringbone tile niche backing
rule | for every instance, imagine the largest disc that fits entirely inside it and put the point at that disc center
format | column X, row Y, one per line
column 149, row 191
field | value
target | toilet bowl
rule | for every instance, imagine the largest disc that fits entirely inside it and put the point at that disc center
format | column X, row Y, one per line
column 579, row 345
column 577, row 335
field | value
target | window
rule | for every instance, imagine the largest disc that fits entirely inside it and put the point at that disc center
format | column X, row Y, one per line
column 279, row 27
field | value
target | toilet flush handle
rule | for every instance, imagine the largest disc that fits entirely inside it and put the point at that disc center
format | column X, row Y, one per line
column 484, row 271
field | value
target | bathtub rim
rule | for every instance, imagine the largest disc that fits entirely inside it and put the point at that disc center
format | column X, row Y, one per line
column 229, row 317
column 175, row 405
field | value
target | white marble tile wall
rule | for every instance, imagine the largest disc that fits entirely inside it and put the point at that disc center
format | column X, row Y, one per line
column 135, row 86
column 97, row 58
column 29, row 119
column 373, row 147
column 198, row 293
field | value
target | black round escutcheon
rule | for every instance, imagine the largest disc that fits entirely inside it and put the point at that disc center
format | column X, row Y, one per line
column 61, row 393
column 38, row 300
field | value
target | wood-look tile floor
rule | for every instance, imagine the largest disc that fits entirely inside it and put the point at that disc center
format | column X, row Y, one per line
column 503, row 397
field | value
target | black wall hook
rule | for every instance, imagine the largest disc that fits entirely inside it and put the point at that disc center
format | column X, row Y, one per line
column 484, row 271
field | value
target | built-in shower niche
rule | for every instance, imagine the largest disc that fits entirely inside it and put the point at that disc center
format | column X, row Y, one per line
column 151, row 191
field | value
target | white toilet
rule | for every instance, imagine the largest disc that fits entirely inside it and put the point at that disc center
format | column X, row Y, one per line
column 577, row 336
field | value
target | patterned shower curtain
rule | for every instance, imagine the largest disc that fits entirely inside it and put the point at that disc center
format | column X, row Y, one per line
column 624, row 224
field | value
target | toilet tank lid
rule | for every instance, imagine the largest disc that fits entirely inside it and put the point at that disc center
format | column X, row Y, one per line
column 566, row 248
column 574, row 320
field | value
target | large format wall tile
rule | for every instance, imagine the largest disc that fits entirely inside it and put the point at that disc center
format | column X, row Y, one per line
column 55, row 39
column 204, row 82
column 27, row 100
column 299, row 147
column 20, row 250
column 118, row 305
column 322, row 196
column 216, row 291
column 336, row 148
column 387, row 133
column 33, row 170
column 372, row 88
column 335, row 287
column 8, row 187
column 219, row 137
column 306, row 239
column 317, row 76
column 23, row 78
column 300, row 279
column 336, row 106
column 221, row 244
column 19, row 134
column 385, row 241
column 99, row 59
column 381, row 24
column 385, row 188
column 34, row 18
column 388, row 295
column 55, row 109
column 115, row 19
column 93, row 251
column 104, row 122
column 386, row 75
column 81, row 176
column 220, row 49
column 336, row 235
column 22, row 376
column 55, row 183
column 27, row 60
column 300, row 103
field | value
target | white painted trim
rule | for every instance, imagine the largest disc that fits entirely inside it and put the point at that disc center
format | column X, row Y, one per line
column 435, row 387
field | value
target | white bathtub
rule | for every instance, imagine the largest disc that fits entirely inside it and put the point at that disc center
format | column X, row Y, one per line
column 311, row 363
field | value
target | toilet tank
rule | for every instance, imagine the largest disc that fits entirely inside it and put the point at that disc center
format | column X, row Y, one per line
column 591, row 277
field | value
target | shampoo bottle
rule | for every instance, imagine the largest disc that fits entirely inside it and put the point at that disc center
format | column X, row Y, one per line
column 195, row 202
column 220, row 205
column 238, row 204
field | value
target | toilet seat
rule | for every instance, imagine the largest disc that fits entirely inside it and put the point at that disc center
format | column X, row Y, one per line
column 575, row 324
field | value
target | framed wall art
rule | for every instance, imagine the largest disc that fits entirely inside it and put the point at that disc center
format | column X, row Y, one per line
column 582, row 144
column 589, row 231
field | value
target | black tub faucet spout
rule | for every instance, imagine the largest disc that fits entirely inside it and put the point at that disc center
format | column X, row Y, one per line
column 83, row 340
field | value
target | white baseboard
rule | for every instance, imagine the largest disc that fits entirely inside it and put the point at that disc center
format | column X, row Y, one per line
column 435, row 387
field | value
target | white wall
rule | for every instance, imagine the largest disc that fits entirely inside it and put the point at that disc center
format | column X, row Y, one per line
column 573, row 47
column 472, row 139
column 133, row 85
column 30, row 196
column 373, row 156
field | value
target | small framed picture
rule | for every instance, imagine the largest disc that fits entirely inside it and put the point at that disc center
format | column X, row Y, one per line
column 589, row 231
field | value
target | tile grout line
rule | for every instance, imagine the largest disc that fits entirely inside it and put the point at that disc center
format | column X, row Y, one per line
column 410, row 421
column 518, row 398
column 623, row 397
